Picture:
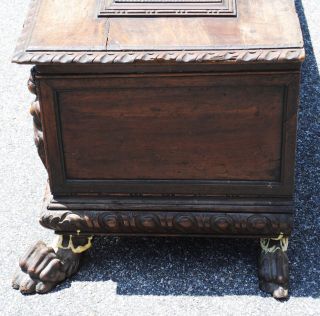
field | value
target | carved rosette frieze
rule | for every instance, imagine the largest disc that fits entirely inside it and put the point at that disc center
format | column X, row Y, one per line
column 158, row 222
column 36, row 114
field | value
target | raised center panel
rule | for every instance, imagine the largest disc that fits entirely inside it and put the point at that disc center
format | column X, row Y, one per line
column 168, row 8
column 214, row 134
column 185, row 132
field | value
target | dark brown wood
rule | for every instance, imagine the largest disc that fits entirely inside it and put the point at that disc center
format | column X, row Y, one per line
column 274, row 268
column 36, row 114
column 207, row 114
column 245, row 158
column 42, row 267
column 143, row 217
column 162, row 122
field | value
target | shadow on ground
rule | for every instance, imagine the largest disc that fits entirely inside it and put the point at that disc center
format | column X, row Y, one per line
column 214, row 267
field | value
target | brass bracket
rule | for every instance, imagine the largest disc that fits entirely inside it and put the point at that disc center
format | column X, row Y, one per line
column 79, row 249
column 265, row 244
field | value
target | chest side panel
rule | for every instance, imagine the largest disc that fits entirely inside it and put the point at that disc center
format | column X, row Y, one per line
column 182, row 134
column 173, row 132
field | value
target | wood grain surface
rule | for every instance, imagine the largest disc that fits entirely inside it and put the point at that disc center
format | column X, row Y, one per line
column 208, row 134
column 183, row 132
column 55, row 26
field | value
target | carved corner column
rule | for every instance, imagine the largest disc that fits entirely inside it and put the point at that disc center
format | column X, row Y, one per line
column 42, row 267
column 274, row 266
column 36, row 114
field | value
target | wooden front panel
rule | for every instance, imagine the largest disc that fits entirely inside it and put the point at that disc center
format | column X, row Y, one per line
column 178, row 134
column 220, row 132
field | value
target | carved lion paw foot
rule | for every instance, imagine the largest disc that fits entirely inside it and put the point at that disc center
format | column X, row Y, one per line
column 274, row 273
column 42, row 268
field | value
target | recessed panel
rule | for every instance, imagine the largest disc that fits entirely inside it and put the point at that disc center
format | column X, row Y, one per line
column 168, row 8
column 173, row 133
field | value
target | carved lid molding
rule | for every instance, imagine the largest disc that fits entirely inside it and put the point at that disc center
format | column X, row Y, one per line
column 230, row 56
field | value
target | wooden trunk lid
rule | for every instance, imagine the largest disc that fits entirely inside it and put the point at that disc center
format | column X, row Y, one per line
column 125, row 31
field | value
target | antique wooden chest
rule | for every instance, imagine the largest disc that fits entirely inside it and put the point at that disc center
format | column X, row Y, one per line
column 169, row 117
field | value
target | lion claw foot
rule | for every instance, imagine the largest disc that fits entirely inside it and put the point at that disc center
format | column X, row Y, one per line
column 26, row 285
column 274, row 273
column 42, row 268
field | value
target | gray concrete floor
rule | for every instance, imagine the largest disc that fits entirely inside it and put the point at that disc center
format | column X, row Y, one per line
column 153, row 276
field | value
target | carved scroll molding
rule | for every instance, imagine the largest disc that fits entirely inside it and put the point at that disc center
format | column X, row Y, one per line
column 230, row 56
column 36, row 114
column 166, row 223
